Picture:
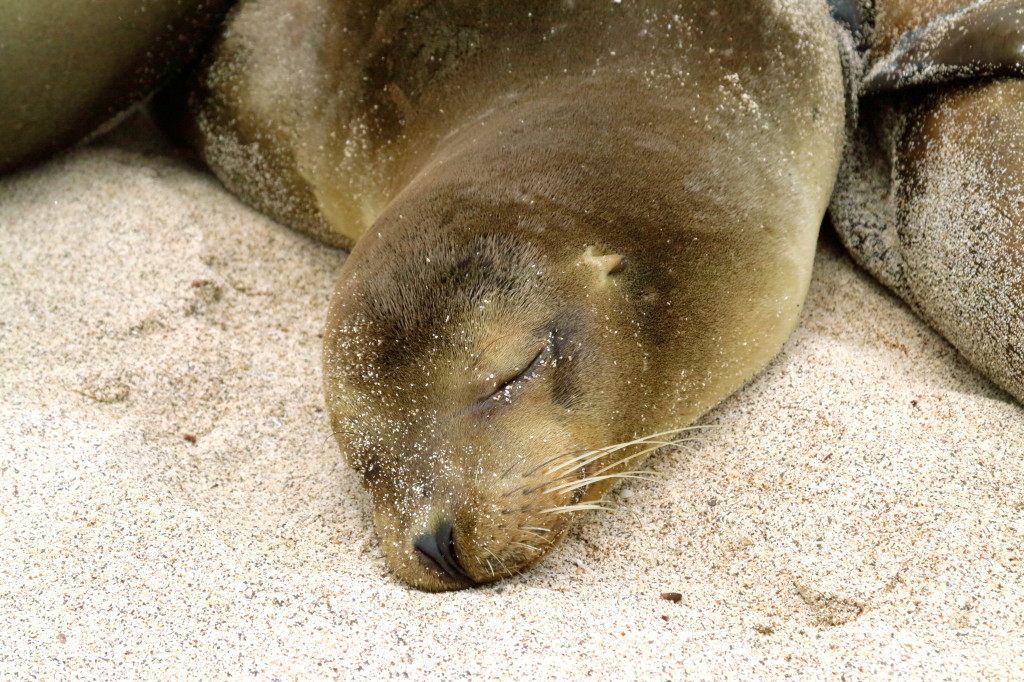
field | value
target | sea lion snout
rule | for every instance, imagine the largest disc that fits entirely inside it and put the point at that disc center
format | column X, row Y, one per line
column 479, row 526
column 438, row 552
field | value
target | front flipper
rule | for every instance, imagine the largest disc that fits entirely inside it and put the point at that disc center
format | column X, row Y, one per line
column 982, row 40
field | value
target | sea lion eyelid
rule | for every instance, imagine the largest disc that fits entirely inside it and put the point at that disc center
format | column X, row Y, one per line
column 526, row 372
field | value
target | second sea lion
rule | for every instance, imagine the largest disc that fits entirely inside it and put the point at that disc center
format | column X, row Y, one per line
column 69, row 68
column 929, row 192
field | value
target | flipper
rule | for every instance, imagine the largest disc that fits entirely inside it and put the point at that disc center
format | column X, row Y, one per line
column 982, row 40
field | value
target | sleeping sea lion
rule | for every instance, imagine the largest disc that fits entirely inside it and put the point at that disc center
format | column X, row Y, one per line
column 579, row 226
column 929, row 196
column 576, row 226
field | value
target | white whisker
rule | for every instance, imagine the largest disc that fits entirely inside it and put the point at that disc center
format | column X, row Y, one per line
column 578, row 461
column 573, row 485
column 488, row 550
column 584, row 506
column 657, row 444
column 641, row 453
column 574, row 463
column 527, row 546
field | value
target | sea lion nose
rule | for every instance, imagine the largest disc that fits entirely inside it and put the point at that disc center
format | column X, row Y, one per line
column 437, row 551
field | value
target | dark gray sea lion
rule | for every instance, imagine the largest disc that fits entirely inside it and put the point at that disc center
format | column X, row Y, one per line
column 929, row 197
column 576, row 226
column 66, row 68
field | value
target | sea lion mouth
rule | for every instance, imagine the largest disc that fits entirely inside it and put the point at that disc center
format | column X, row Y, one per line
column 437, row 551
column 461, row 534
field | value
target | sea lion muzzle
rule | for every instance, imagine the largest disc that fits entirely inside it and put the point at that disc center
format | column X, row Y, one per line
column 439, row 553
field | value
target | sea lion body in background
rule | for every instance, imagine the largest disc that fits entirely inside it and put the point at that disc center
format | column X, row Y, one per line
column 930, row 195
column 66, row 68
column 575, row 225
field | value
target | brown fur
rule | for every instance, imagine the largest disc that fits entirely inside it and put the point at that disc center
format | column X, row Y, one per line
column 928, row 197
column 893, row 18
column 623, row 198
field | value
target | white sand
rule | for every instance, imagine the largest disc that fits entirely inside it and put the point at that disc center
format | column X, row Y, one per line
column 860, row 514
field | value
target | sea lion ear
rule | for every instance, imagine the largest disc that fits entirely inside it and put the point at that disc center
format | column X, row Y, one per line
column 605, row 263
column 979, row 41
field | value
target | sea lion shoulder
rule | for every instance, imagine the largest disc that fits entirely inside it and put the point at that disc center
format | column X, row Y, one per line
column 71, row 69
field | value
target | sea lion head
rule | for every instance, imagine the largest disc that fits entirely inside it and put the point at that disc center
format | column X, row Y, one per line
column 477, row 363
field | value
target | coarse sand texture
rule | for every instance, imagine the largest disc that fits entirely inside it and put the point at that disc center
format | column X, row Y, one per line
column 172, row 505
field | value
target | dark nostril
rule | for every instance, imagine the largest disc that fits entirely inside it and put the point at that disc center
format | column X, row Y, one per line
column 437, row 550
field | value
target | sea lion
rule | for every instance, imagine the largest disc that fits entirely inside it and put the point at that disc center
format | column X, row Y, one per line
column 66, row 68
column 576, row 226
column 929, row 193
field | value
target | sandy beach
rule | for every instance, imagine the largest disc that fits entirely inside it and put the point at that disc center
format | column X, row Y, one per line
column 172, row 505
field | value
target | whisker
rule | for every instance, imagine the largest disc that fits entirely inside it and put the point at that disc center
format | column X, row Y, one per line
column 545, row 540
column 587, row 455
column 333, row 434
column 638, row 441
column 573, row 485
column 576, row 463
column 657, row 444
column 549, row 461
column 583, row 506
column 597, row 455
column 692, row 427
column 527, row 546
column 488, row 550
column 597, row 475
column 583, row 453
column 641, row 453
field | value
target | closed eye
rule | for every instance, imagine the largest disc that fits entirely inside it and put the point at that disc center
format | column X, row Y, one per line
column 531, row 368
column 527, row 371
